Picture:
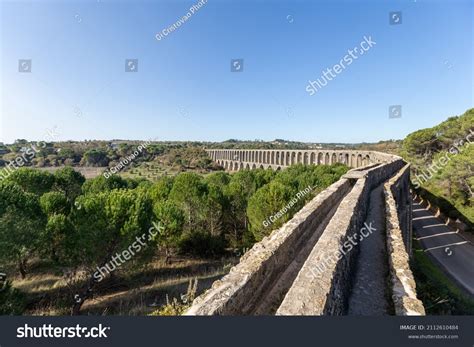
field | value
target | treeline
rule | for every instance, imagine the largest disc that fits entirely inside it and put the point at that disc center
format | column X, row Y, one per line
column 442, row 159
column 105, row 154
column 80, row 225
column 184, row 154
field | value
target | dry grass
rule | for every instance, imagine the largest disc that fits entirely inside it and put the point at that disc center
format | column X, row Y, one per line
column 39, row 283
column 133, row 292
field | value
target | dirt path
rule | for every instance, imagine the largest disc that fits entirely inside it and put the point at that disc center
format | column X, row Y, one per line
column 368, row 297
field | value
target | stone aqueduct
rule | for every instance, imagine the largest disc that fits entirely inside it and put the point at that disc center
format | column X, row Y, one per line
column 239, row 159
column 277, row 275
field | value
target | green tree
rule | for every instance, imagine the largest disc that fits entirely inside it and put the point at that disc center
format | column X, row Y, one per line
column 188, row 194
column 96, row 157
column 172, row 219
column 102, row 184
column 161, row 189
column 69, row 181
column 32, row 181
column 54, row 203
column 266, row 202
column 239, row 190
column 107, row 224
column 21, row 222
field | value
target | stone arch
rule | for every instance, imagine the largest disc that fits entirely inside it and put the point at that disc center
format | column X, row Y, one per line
column 288, row 158
column 312, row 159
column 278, row 168
column 277, row 157
column 293, row 158
column 261, row 166
column 305, row 158
column 272, row 157
column 341, row 158
column 241, row 167
column 254, row 166
column 333, row 158
column 299, row 158
column 326, row 159
column 236, row 166
column 247, row 167
column 320, row 158
column 359, row 160
column 346, row 159
column 366, row 160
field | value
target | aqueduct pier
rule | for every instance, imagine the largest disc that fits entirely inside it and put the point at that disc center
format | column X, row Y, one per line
column 299, row 269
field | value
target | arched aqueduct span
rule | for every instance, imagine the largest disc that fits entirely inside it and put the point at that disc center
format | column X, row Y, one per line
column 278, row 274
column 239, row 159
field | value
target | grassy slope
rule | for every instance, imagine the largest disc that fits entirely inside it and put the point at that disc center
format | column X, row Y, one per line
column 133, row 292
column 440, row 295
column 437, row 291
column 451, row 184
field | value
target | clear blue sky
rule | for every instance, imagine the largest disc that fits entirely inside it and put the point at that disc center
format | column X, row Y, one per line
column 184, row 89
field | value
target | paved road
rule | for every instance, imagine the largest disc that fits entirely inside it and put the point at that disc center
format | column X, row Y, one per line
column 454, row 253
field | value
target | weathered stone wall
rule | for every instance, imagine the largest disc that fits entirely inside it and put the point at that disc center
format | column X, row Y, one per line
column 323, row 283
column 279, row 274
column 402, row 283
column 454, row 223
column 400, row 189
column 240, row 290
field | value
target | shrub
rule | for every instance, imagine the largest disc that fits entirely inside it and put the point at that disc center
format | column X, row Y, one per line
column 201, row 244
column 12, row 301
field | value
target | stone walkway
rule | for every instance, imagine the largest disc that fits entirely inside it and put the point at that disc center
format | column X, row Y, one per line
column 368, row 297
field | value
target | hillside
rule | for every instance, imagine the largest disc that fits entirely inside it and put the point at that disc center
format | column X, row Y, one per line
column 443, row 162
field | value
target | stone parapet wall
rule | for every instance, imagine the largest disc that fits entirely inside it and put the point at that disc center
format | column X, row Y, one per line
column 402, row 282
column 323, row 284
column 246, row 281
column 277, row 276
